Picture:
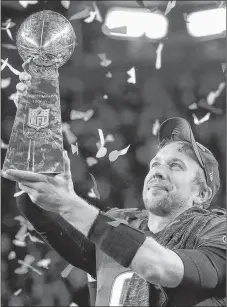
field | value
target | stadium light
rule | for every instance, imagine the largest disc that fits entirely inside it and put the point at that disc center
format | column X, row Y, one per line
column 207, row 23
column 135, row 22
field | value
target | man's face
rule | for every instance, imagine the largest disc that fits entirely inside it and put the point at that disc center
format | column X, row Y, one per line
column 169, row 184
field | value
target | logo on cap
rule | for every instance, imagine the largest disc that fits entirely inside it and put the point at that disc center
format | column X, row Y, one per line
column 224, row 239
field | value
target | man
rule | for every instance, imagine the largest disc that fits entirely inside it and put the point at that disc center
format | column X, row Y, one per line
column 172, row 253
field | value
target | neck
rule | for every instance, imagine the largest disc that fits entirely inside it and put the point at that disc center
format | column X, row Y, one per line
column 157, row 223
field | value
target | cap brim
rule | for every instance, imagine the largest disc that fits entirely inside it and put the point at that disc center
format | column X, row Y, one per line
column 178, row 129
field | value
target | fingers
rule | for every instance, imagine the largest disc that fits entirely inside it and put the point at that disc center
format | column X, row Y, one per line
column 18, row 175
column 7, row 176
column 66, row 163
column 28, row 190
column 24, row 76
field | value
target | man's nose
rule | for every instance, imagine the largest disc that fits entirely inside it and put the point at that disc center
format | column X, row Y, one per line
column 159, row 173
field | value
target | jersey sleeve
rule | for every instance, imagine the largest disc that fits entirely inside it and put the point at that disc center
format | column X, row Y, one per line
column 71, row 244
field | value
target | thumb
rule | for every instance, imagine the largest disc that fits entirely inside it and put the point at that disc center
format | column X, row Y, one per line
column 66, row 163
column 25, row 65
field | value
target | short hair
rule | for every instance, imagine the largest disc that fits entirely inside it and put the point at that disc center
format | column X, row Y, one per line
column 200, row 177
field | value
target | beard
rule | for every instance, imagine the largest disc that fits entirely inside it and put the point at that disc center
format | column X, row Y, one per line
column 164, row 205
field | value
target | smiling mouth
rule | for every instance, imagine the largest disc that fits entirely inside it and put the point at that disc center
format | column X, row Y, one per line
column 158, row 186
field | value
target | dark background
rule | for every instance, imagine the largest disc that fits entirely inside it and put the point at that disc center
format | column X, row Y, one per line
column 190, row 70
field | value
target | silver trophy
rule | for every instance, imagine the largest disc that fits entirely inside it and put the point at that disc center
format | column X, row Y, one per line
column 36, row 142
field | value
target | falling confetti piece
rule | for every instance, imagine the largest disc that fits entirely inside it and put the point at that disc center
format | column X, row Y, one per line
column 25, row 3
column 105, row 97
column 213, row 95
column 223, row 66
column 12, row 255
column 92, row 194
column 102, row 150
column 80, row 15
column 18, row 193
column 15, row 71
column 123, row 151
column 132, row 75
column 34, row 239
column 95, row 187
column 4, row 64
column 70, row 136
column 170, row 6
column 91, row 161
column 65, row 4
column 88, row 115
column 203, row 104
column 5, row 82
column 158, row 63
column 73, row 304
column 75, row 148
column 44, row 263
column 104, row 60
column 3, row 145
column 9, row 46
column 66, row 271
column 202, row 120
column 17, row 292
column 113, row 155
column 109, row 75
column 193, row 106
column 26, row 265
column 19, row 243
column 21, row 270
column 109, row 138
column 98, row 14
column 91, row 17
column 155, row 127
column 8, row 23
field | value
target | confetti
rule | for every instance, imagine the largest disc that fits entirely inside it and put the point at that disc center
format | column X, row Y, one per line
column 70, row 136
column 193, row 106
column 19, row 243
column 203, row 104
column 155, row 127
column 9, row 46
column 43, row 263
column 18, row 193
column 213, row 95
column 158, row 63
column 91, row 161
column 5, row 82
column 73, row 304
column 105, row 97
column 12, row 255
column 116, row 153
column 92, row 194
column 102, row 150
column 95, row 187
column 223, row 66
column 25, row 3
column 109, row 75
column 23, row 269
column 170, row 6
column 17, row 292
column 15, row 71
column 75, row 148
column 34, row 239
column 8, row 23
column 74, row 114
column 65, row 4
column 66, row 271
column 132, row 75
column 202, row 120
column 104, row 61
column 4, row 64
column 109, row 138
column 3, row 145
column 80, row 15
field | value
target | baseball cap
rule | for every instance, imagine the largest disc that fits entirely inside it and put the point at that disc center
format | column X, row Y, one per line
column 179, row 129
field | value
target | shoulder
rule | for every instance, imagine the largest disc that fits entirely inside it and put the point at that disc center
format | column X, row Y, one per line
column 214, row 232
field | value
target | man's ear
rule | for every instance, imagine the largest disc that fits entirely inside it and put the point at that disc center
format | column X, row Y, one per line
column 203, row 196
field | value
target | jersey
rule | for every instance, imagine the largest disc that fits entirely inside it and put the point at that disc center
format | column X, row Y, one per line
column 113, row 279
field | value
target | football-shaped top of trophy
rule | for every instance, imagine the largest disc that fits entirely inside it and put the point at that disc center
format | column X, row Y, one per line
column 48, row 37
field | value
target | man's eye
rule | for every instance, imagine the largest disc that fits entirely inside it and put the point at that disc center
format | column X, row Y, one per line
column 155, row 164
column 174, row 164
